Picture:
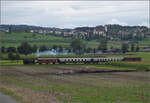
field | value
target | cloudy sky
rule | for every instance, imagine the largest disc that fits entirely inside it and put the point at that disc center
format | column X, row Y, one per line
column 70, row 14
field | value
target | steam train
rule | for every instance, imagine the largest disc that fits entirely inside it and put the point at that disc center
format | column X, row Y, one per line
column 78, row 60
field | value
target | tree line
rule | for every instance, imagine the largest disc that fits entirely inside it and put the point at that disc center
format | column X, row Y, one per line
column 79, row 47
column 76, row 46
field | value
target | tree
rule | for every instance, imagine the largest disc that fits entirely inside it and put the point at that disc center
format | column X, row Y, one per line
column 11, row 49
column 24, row 48
column 34, row 48
column 54, row 47
column 78, row 46
column 137, row 48
column 17, row 56
column 60, row 48
column 103, row 46
column 94, row 51
column 11, row 56
column 111, row 47
column 88, row 50
column 124, row 47
column 3, row 49
column 43, row 48
column 10, row 30
column 132, row 47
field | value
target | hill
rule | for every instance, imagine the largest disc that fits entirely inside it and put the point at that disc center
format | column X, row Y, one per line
column 111, row 32
column 15, row 39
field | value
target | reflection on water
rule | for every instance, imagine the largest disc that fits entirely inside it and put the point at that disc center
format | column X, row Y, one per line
column 51, row 52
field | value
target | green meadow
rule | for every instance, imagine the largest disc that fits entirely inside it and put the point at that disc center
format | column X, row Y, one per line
column 40, row 84
column 15, row 38
column 44, row 84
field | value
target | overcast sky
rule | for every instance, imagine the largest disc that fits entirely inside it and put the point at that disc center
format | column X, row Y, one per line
column 70, row 14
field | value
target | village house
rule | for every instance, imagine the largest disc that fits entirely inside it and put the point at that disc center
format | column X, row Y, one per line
column 50, row 31
column 66, row 34
column 122, row 32
column 4, row 30
column 58, row 32
column 84, row 33
column 31, row 31
column 106, row 29
column 99, row 32
column 134, row 34
column 40, row 31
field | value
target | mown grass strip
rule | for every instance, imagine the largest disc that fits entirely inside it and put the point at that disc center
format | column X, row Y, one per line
column 88, row 94
column 10, row 62
column 122, row 65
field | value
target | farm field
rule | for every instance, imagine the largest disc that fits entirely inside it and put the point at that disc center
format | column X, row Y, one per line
column 45, row 84
column 74, row 51
column 15, row 38
column 51, row 84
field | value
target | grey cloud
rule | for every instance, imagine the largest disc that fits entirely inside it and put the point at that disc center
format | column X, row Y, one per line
column 75, row 13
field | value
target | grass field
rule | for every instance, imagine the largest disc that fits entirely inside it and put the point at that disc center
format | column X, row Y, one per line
column 44, row 84
column 15, row 39
column 40, row 84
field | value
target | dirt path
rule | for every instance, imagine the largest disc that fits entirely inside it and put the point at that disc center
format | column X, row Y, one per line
column 6, row 99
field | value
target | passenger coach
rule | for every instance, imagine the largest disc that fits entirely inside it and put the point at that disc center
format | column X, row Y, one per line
column 79, row 60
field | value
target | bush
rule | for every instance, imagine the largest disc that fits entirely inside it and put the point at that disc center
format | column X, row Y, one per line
column 11, row 49
column 43, row 48
column 11, row 56
column 17, row 57
column 3, row 49
column 24, row 48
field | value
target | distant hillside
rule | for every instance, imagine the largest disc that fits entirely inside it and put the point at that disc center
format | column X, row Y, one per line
column 109, row 31
column 16, row 38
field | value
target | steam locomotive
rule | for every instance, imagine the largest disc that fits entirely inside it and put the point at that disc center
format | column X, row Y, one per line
column 78, row 60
